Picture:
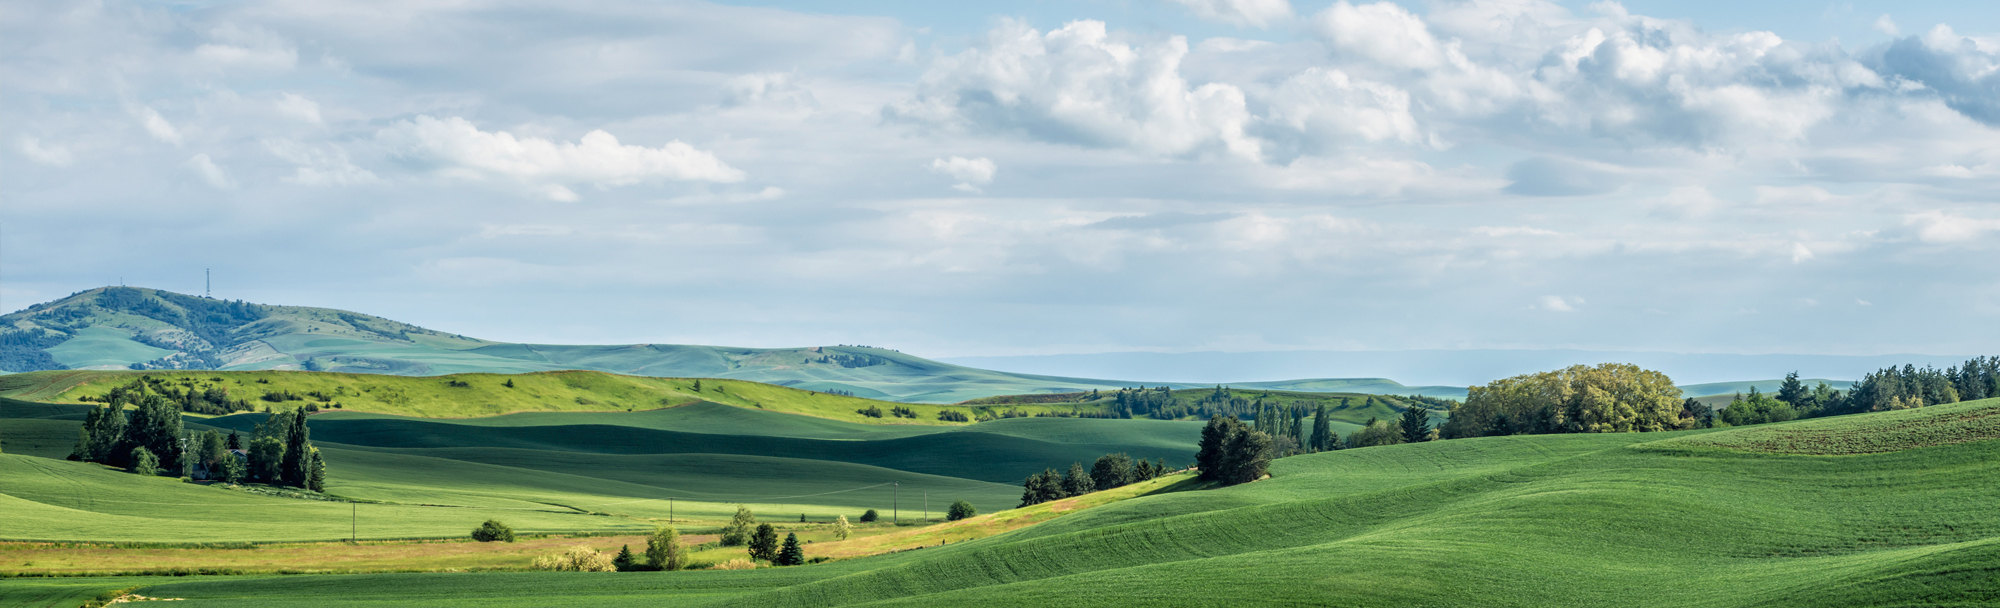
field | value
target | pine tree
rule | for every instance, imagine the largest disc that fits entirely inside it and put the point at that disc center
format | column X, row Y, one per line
column 1077, row 482
column 1792, row 391
column 1416, row 425
column 791, row 554
column 764, row 544
column 1322, row 430
column 316, row 472
column 235, row 441
column 624, row 561
column 297, row 461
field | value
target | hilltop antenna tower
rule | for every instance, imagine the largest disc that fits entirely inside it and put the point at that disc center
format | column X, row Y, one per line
column 208, row 283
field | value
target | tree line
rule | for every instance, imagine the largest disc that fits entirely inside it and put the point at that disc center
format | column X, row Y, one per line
column 152, row 440
column 1109, row 471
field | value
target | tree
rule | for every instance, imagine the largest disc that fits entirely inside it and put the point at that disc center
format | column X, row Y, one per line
column 738, row 531
column 232, row 468
column 235, row 441
column 144, row 463
column 493, row 531
column 266, row 456
column 1608, row 398
column 1415, row 425
column 791, row 554
column 1077, row 482
column 764, row 544
column 316, row 472
column 841, row 529
column 1322, row 438
column 209, row 454
column 697, row 385
column 1111, row 471
column 1376, row 432
column 297, row 465
column 869, row 516
column 624, row 562
column 664, row 550
column 1247, row 455
column 509, row 384
column 1792, row 391
column 1208, row 454
column 960, row 510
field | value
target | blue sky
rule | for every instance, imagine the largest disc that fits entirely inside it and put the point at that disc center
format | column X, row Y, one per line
column 1029, row 178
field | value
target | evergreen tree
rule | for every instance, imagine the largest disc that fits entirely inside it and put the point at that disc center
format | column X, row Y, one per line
column 764, row 543
column 316, row 472
column 297, row 463
column 1208, row 453
column 1077, row 482
column 1322, row 433
column 235, row 442
column 791, row 554
column 664, row 550
column 1416, row 425
column 737, row 533
column 1247, row 456
column 1792, row 391
column 624, row 561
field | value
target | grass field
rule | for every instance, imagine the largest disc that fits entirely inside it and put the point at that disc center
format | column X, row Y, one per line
column 1561, row 520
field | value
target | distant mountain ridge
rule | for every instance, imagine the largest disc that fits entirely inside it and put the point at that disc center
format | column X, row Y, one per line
column 140, row 328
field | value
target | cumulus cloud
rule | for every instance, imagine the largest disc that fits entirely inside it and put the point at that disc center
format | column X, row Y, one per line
column 1887, row 26
column 780, row 88
column 247, row 47
column 1240, row 13
column 1942, row 227
column 1961, row 71
column 456, row 147
column 971, row 173
column 51, row 155
column 1326, row 107
column 1080, row 84
column 206, row 169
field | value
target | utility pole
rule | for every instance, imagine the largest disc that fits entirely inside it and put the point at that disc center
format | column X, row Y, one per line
column 670, row 511
column 895, row 510
column 927, row 506
column 354, row 522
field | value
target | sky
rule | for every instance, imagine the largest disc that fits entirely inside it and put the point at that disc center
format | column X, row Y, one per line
column 960, row 179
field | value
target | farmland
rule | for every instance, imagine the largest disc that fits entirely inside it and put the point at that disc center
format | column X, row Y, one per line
column 1728, row 517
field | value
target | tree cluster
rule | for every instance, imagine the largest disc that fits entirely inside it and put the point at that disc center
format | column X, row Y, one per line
column 1109, row 471
column 1232, row 452
column 153, row 430
column 1611, row 397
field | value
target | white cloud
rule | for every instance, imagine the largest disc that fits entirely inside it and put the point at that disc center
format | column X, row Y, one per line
column 1559, row 303
column 155, row 124
column 51, row 155
column 1241, row 13
column 461, row 149
column 1080, row 84
column 239, row 47
column 1330, row 106
column 209, row 173
column 319, row 165
column 971, row 173
column 779, row 88
column 1941, row 227
column 1887, row 26
column 297, row 106
column 1382, row 32
column 1800, row 253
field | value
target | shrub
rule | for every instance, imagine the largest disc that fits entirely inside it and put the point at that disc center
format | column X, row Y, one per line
column 870, row 411
column 870, row 517
column 953, row 416
column 580, row 558
column 960, row 510
column 491, row 531
column 735, row 564
column 144, row 462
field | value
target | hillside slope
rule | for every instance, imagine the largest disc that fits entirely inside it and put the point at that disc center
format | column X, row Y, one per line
column 129, row 327
column 1557, row 520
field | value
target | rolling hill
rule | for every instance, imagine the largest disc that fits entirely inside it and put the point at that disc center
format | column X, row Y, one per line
column 1886, row 509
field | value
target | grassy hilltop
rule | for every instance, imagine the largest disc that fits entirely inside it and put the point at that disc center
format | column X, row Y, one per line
column 112, row 328
column 1821, row 512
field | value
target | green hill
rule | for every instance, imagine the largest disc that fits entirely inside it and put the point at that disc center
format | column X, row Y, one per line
column 1702, row 518
column 115, row 328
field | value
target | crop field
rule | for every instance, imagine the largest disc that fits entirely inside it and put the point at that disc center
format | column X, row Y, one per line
column 1558, row 520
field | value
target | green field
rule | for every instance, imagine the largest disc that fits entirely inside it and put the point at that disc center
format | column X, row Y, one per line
column 1732, row 517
